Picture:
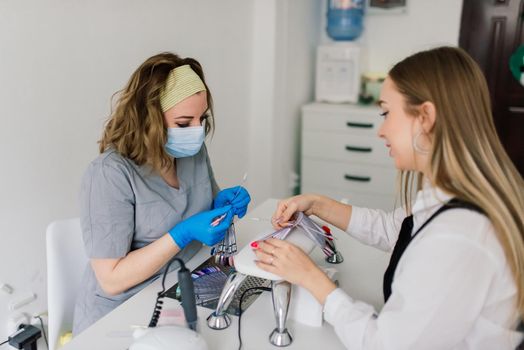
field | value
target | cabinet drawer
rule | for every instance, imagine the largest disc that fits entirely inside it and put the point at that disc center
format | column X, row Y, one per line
column 360, row 178
column 354, row 120
column 375, row 201
column 347, row 148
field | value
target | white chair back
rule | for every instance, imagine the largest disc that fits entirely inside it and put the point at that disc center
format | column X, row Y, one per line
column 66, row 262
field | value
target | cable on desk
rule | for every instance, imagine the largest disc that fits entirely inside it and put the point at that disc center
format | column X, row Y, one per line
column 43, row 330
column 5, row 342
column 259, row 291
column 159, row 302
column 157, row 310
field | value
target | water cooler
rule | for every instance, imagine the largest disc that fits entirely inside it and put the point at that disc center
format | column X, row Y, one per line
column 339, row 63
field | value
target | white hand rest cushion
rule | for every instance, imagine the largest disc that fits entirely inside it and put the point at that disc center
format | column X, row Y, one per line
column 245, row 259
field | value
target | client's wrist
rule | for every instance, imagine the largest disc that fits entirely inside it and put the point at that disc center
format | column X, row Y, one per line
column 318, row 204
column 319, row 285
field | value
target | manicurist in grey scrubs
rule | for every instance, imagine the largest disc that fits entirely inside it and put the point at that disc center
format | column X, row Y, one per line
column 151, row 193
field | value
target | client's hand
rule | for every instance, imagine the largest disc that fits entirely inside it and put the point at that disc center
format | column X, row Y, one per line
column 286, row 260
column 289, row 206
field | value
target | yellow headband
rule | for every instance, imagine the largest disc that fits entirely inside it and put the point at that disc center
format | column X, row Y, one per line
column 181, row 83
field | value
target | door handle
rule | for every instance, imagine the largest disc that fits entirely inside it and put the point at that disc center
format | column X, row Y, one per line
column 360, row 125
column 359, row 149
column 357, row 178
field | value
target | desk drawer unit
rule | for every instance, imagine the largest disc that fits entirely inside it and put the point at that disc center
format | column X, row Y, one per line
column 342, row 156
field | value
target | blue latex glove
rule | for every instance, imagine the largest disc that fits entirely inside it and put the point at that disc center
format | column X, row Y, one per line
column 237, row 197
column 198, row 227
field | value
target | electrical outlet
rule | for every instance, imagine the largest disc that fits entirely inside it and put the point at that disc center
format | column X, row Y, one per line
column 35, row 319
column 36, row 322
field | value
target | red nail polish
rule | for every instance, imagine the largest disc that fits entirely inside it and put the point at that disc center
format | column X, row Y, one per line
column 326, row 229
column 254, row 244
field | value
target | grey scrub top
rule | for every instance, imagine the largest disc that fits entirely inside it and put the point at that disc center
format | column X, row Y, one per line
column 125, row 207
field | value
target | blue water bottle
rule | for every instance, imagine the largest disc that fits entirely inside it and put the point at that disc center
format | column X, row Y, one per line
column 345, row 19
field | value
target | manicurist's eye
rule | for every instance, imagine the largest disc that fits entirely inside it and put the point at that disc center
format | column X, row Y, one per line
column 384, row 114
column 182, row 125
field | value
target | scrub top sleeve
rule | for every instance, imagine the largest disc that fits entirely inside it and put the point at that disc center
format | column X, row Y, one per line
column 107, row 211
column 214, row 186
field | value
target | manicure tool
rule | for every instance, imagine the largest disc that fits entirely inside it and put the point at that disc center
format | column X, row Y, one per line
column 228, row 246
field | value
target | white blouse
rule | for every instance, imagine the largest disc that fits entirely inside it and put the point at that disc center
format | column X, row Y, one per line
column 452, row 289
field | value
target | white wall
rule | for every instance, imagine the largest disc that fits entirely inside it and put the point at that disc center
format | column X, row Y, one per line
column 426, row 24
column 388, row 38
column 60, row 61
column 285, row 35
column 296, row 56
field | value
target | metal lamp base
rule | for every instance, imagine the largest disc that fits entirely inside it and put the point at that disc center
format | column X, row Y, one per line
column 336, row 258
column 218, row 322
column 280, row 339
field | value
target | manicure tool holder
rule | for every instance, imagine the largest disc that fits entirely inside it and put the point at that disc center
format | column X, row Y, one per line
column 227, row 248
column 336, row 257
column 302, row 232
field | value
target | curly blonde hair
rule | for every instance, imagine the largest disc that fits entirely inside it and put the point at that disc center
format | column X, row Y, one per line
column 136, row 128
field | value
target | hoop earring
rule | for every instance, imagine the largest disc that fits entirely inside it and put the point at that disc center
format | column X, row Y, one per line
column 416, row 147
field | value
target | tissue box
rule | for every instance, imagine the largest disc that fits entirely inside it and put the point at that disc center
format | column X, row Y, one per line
column 303, row 307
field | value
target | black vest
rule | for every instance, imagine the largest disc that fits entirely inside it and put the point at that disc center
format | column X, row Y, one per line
column 405, row 237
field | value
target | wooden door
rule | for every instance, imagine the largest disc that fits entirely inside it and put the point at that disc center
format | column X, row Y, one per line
column 490, row 31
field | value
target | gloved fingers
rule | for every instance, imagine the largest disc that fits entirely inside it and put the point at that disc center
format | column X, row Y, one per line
column 213, row 213
column 241, row 212
column 238, row 197
column 223, row 197
column 233, row 195
column 225, row 223
column 214, row 238
column 219, row 201
column 239, row 206
column 241, row 195
column 234, row 190
column 241, row 203
column 230, row 192
column 216, row 216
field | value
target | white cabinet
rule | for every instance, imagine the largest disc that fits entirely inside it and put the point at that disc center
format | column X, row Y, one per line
column 343, row 158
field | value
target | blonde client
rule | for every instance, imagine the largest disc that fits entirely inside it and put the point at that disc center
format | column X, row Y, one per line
column 456, row 275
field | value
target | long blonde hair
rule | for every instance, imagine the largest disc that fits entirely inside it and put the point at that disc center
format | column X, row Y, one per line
column 467, row 158
column 136, row 128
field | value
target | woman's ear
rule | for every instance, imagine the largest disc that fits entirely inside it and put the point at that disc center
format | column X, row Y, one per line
column 427, row 115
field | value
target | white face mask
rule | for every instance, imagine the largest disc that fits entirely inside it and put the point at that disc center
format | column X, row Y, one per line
column 184, row 142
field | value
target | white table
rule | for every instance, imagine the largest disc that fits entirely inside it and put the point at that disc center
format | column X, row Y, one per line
column 360, row 275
